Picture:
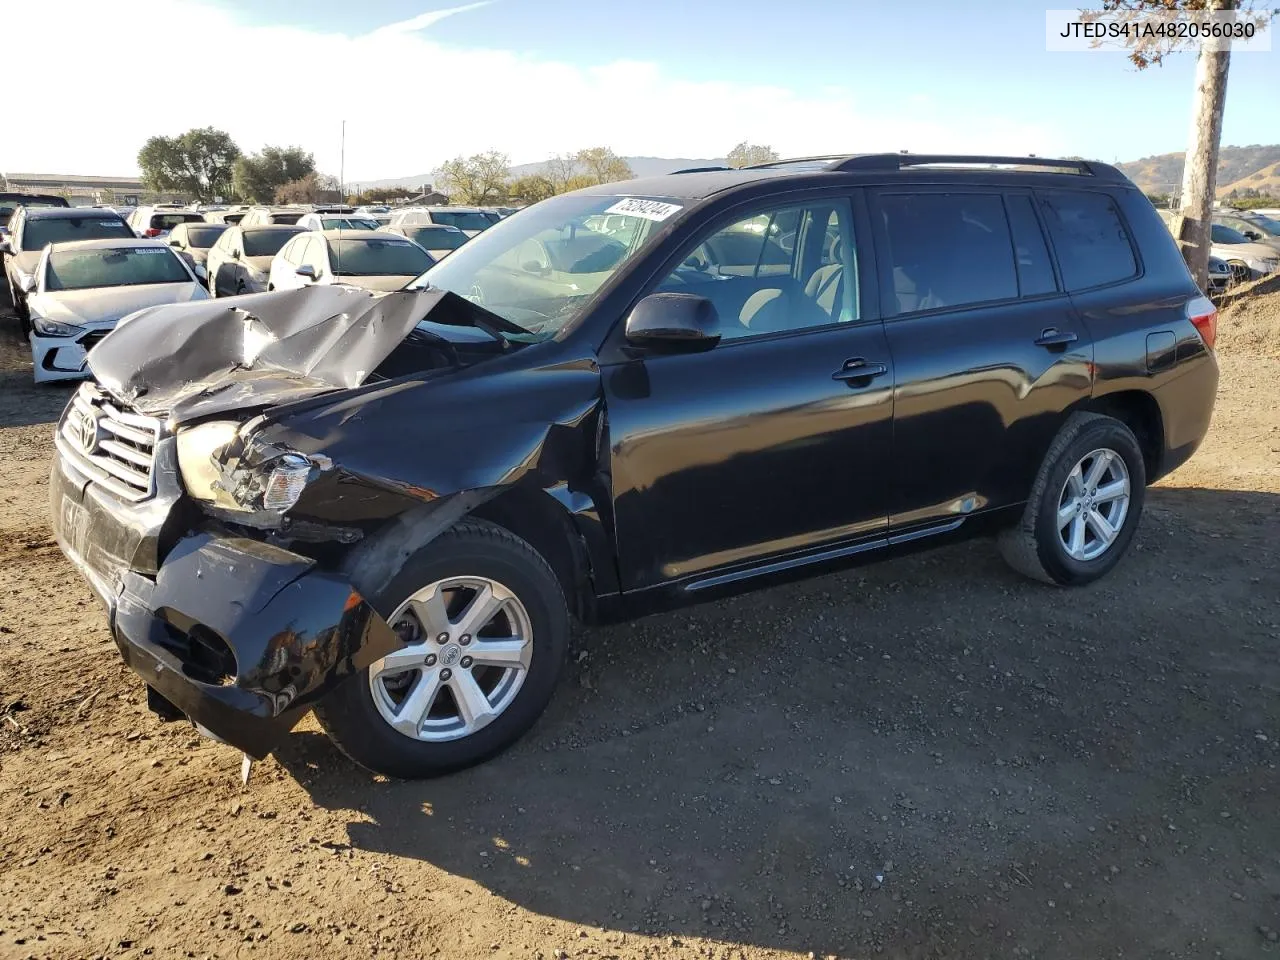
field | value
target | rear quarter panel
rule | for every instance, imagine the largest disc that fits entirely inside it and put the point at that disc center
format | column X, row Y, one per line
column 1143, row 340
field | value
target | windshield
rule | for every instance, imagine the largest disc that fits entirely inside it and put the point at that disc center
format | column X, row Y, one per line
column 1223, row 234
column 1265, row 225
column 437, row 238
column 348, row 223
column 124, row 267
column 266, row 243
column 463, row 221
column 540, row 269
column 377, row 257
column 202, row 238
column 8, row 206
column 62, row 229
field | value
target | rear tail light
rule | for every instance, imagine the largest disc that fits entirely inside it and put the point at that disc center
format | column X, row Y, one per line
column 1204, row 317
column 152, row 232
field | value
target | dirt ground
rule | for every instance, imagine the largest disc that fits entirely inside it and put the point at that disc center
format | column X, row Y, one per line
column 926, row 758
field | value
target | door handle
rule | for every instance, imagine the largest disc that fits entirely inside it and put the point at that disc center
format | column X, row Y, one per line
column 856, row 368
column 1055, row 339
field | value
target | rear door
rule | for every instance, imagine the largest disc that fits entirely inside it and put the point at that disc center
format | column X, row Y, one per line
column 987, row 348
column 774, row 444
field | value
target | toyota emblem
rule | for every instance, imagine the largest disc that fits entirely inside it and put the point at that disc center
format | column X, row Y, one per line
column 85, row 431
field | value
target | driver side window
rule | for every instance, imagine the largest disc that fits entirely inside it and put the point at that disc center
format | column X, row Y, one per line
column 787, row 268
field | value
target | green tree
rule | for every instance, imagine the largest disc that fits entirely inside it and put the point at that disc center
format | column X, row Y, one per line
column 384, row 195
column 256, row 178
column 479, row 179
column 1200, row 170
column 309, row 188
column 531, row 188
column 197, row 163
column 749, row 154
column 559, row 170
column 602, row 165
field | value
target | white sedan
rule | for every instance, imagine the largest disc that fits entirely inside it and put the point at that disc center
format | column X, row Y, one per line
column 370, row 259
column 82, row 289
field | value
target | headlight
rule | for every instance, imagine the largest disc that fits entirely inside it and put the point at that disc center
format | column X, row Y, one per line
column 197, row 449
column 55, row 328
column 229, row 472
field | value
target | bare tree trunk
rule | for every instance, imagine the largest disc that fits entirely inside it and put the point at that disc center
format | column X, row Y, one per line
column 1200, row 174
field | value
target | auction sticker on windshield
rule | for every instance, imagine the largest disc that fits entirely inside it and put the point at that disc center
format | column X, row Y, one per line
column 654, row 210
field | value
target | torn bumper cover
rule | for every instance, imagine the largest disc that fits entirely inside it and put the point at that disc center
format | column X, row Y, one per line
column 241, row 636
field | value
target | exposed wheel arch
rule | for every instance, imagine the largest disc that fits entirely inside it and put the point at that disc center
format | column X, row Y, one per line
column 1140, row 412
column 533, row 515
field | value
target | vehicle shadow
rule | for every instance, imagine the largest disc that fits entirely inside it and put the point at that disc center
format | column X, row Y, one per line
column 926, row 757
column 22, row 402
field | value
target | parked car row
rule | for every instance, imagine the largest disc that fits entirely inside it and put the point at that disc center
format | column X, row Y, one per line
column 1244, row 246
column 74, row 273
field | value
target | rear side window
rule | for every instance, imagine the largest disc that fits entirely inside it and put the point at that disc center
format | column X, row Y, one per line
column 1035, row 270
column 1092, row 244
column 946, row 250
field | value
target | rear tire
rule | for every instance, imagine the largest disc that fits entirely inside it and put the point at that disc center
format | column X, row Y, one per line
column 359, row 715
column 1077, row 525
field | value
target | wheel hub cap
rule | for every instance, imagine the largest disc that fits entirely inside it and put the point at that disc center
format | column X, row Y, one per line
column 1093, row 504
column 468, row 646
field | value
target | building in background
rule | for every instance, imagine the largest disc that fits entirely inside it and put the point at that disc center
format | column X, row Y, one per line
column 86, row 191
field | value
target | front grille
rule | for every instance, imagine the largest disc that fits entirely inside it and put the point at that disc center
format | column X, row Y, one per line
column 91, row 339
column 115, row 448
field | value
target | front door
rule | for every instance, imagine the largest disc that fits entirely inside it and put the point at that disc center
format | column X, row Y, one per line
column 777, row 440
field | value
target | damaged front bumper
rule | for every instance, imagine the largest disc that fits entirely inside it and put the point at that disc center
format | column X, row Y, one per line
column 240, row 636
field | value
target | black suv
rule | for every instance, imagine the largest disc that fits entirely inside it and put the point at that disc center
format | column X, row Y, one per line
column 621, row 400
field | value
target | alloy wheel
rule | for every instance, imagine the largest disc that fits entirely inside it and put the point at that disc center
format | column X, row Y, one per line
column 1093, row 504
column 468, row 646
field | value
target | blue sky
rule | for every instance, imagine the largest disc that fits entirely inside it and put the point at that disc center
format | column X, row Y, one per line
column 678, row 77
column 956, row 54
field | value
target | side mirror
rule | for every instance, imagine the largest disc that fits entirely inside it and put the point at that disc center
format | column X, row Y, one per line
column 1253, row 235
column 533, row 266
column 175, row 243
column 307, row 272
column 235, row 254
column 674, row 321
column 6, row 246
column 27, row 284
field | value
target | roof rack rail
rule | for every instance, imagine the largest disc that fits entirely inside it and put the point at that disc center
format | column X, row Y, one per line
column 796, row 161
column 699, row 170
column 904, row 161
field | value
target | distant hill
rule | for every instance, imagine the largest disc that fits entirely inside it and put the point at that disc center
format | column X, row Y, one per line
column 1266, row 180
column 642, row 166
column 1238, row 168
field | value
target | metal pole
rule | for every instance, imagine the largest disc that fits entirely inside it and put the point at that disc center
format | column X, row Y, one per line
column 342, row 166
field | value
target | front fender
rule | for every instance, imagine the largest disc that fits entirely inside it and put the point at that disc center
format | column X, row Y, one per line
column 423, row 440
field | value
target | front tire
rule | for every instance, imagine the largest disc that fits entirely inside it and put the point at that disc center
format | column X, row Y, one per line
column 1085, row 504
column 486, row 630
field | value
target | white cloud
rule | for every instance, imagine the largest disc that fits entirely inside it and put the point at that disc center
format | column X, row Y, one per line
column 89, row 102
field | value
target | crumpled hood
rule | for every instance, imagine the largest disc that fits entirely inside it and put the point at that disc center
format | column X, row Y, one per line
column 83, row 307
column 192, row 360
column 382, row 284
